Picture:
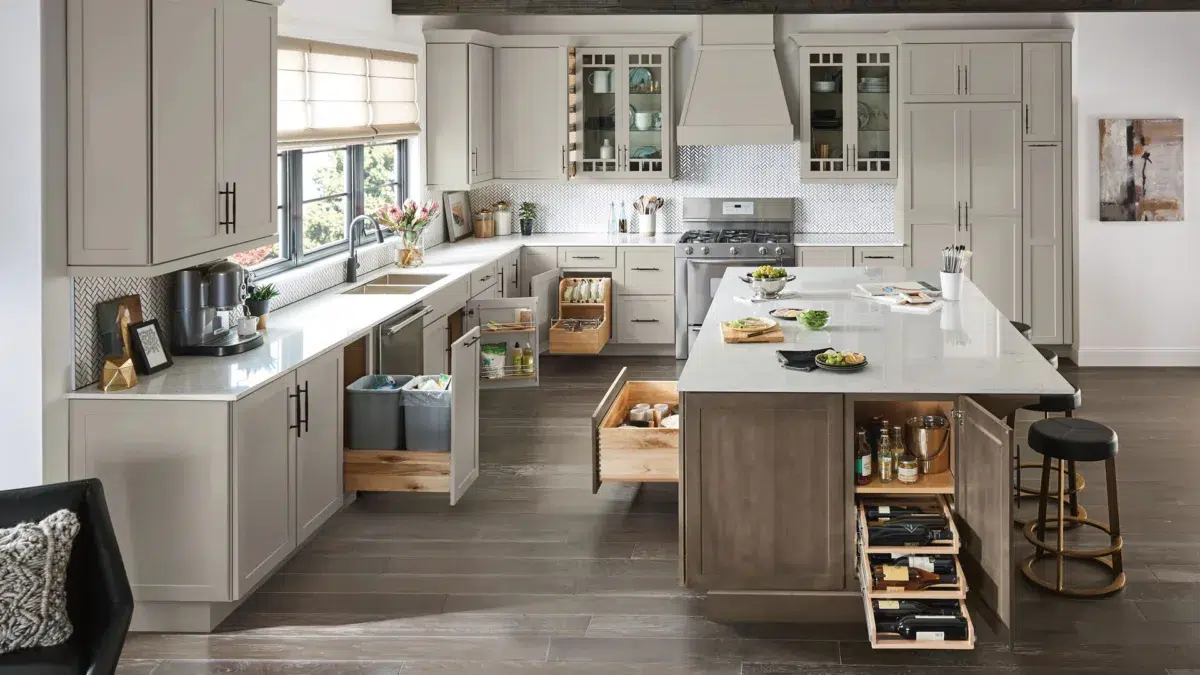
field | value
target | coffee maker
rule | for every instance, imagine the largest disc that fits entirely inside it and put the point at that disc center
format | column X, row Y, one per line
column 208, row 303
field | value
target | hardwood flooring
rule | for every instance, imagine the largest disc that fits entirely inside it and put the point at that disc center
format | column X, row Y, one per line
column 531, row 573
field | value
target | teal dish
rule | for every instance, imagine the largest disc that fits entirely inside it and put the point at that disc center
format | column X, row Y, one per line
column 639, row 77
column 645, row 152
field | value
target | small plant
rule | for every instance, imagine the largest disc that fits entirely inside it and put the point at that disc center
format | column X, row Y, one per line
column 528, row 211
column 263, row 293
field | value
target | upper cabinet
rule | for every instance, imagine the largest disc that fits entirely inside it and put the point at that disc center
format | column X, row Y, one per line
column 171, row 132
column 1042, row 89
column 951, row 73
column 623, row 114
column 849, row 112
column 531, row 124
column 459, row 94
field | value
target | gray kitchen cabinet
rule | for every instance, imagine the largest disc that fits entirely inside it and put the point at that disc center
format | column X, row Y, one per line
column 1042, row 92
column 531, row 113
column 1044, row 251
column 508, row 269
column 990, row 181
column 319, row 443
column 931, row 153
column 825, row 256
column 927, row 238
column 645, row 319
column 435, row 340
column 458, row 114
column 646, row 270
column 464, row 414
column 996, row 267
column 947, row 73
column 170, row 106
column 264, row 427
column 880, row 256
column 536, row 260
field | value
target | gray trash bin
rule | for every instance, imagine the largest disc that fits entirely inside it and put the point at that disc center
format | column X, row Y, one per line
column 375, row 412
column 426, row 417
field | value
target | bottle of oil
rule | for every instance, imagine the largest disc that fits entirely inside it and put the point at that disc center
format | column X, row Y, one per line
column 887, row 463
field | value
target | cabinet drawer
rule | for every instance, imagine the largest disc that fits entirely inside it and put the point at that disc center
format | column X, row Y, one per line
column 934, row 504
column 629, row 454
column 483, row 277
column 587, row 257
column 826, row 256
column 646, row 319
column 881, row 256
column 647, row 271
column 447, row 300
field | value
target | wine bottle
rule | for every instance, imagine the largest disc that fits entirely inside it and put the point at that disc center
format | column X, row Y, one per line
column 884, row 512
column 894, row 609
column 901, row 534
column 940, row 564
column 932, row 627
column 862, row 459
column 931, row 519
column 886, row 577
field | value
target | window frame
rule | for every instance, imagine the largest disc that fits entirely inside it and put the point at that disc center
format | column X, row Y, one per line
column 291, row 212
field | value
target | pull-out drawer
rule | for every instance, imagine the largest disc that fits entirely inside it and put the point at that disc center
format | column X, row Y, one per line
column 587, row 257
column 633, row 454
column 930, row 503
column 881, row 639
column 879, row 256
column 447, row 300
column 825, row 256
column 955, row 591
column 647, row 270
column 645, row 319
column 483, row 278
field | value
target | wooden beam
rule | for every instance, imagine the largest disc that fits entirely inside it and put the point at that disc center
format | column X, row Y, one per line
column 778, row 6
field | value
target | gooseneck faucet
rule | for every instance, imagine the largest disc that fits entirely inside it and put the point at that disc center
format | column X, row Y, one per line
column 352, row 263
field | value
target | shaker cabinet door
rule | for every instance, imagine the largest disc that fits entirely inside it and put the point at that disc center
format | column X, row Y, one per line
column 1043, row 91
column 932, row 73
column 531, row 113
column 319, row 447
column 991, row 71
column 479, row 104
column 933, row 157
column 464, row 414
column 1044, row 248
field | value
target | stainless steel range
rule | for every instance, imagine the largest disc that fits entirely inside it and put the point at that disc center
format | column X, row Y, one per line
column 724, row 233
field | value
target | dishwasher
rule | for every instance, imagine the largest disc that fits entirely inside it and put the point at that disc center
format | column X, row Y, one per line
column 399, row 347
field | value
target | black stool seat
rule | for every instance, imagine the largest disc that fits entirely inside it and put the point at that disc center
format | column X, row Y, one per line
column 1073, row 439
column 1058, row 403
column 1050, row 356
column 1024, row 329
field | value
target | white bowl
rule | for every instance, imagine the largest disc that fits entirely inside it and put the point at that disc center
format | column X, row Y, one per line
column 824, row 86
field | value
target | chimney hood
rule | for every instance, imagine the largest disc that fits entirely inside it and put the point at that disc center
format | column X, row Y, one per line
column 736, row 93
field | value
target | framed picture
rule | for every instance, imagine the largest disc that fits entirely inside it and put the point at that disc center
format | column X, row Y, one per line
column 113, row 318
column 149, row 349
column 1141, row 170
column 457, row 207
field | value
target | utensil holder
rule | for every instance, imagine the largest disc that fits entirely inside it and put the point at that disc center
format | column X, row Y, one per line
column 952, row 283
column 647, row 223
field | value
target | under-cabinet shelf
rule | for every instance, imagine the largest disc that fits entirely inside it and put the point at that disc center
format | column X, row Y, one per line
column 957, row 591
column 929, row 484
column 946, row 547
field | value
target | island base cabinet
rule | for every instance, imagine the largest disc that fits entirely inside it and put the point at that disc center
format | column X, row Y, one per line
column 628, row 454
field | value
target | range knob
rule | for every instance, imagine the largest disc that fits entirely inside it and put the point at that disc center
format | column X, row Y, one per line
column 778, row 250
column 704, row 250
column 687, row 250
column 733, row 250
column 762, row 250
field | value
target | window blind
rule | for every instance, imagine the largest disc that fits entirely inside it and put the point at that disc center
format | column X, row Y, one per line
column 330, row 93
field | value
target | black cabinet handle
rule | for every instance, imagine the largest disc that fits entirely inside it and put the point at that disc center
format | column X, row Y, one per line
column 879, row 257
column 644, row 321
column 234, row 208
column 564, row 159
column 645, row 269
column 224, row 218
column 471, row 343
column 305, row 391
column 1026, row 118
column 296, row 426
column 586, row 257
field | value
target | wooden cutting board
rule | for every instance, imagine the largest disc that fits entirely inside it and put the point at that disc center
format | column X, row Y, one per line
column 735, row 337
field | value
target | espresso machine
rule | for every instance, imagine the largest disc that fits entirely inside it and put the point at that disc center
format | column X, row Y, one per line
column 208, row 303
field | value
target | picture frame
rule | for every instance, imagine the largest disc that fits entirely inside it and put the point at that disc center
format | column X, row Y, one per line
column 459, row 218
column 148, row 347
column 113, row 318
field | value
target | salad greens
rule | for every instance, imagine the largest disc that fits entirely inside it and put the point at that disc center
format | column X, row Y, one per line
column 815, row 318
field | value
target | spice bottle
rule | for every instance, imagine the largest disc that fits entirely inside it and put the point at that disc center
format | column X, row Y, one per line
column 906, row 464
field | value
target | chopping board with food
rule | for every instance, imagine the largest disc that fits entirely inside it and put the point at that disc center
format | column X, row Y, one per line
column 751, row 330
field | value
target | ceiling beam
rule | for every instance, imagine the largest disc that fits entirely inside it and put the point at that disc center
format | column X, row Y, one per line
column 778, row 6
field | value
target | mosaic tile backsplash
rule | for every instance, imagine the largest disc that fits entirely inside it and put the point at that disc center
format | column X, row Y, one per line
column 709, row 171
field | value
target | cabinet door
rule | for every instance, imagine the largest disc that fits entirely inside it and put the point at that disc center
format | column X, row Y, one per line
column 871, row 106
column 531, row 113
column 996, row 267
column 319, row 447
column 646, row 78
column 1042, row 262
column 248, row 117
column 264, row 435
column 933, row 158
column 464, row 414
column 535, row 260
column 544, row 287
column 447, row 125
column 597, row 102
column 883, row 256
column 826, row 256
column 186, row 124
column 927, row 239
column 991, row 170
column 762, row 459
column 479, row 110
column 824, row 137
column 932, row 73
column 434, row 341
column 1043, row 85
column 991, row 72
column 508, row 269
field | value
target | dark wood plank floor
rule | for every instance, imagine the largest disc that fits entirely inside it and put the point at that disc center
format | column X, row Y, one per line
column 531, row 573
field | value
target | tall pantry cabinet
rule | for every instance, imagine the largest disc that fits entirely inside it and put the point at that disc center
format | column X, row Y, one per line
column 983, row 166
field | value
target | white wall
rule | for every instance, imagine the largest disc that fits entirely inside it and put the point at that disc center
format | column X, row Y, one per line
column 1137, row 281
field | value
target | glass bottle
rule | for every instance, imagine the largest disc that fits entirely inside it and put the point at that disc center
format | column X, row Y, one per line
column 612, row 218
column 862, row 459
column 906, row 464
column 887, row 463
column 623, row 223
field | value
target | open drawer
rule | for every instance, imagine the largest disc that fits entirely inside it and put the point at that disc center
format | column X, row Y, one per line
column 584, row 325
column 956, row 591
column 417, row 470
column 629, row 454
column 881, row 639
column 931, row 503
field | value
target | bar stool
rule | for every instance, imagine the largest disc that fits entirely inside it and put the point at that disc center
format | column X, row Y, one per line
column 1050, row 356
column 1024, row 329
column 1074, row 440
column 1066, row 404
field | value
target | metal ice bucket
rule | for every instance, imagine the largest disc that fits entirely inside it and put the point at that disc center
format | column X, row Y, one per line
column 928, row 438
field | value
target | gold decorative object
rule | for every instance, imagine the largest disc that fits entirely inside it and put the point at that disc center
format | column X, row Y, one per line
column 118, row 373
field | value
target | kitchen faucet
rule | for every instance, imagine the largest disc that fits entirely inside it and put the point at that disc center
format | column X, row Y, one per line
column 352, row 263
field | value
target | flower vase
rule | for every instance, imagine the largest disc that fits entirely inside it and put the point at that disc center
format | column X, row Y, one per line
column 411, row 252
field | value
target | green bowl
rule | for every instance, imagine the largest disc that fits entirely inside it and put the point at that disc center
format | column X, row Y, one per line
column 814, row 322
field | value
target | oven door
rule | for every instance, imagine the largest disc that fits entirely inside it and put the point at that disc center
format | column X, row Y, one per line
column 704, row 277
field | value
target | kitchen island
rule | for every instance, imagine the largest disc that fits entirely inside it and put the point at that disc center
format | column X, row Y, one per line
column 771, row 514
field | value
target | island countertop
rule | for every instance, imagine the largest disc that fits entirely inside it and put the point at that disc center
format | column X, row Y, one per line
column 968, row 347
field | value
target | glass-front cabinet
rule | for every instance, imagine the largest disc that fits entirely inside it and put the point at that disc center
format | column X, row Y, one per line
column 849, row 113
column 622, row 120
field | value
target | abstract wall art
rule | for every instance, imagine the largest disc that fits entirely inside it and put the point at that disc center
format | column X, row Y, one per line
column 1141, row 170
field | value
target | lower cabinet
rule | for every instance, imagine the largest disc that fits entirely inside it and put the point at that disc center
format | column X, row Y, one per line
column 535, row 260
column 319, row 471
column 508, row 269
column 825, row 256
column 645, row 319
column 435, row 339
column 996, row 267
column 882, row 256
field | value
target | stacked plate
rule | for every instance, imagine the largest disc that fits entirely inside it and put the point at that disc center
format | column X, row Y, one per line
column 873, row 85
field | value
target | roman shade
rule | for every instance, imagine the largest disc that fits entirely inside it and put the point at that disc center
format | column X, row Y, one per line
column 330, row 93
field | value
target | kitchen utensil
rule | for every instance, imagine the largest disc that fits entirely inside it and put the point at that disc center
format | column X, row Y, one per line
column 646, row 224
column 208, row 302
column 641, row 415
column 640, row 77
column 767, row 288
column 823, row 151
column 864, row 115
column 799, row 360
column 661, row 412
column 927, row 437
column 248, row 326
column 670, row 422
column 601, row 81
column 645, row 152
column 951, row 283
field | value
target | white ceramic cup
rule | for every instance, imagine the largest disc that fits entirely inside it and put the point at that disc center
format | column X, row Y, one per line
column 952, row 283
column 647, row 224
column 248, row 326
column 601, row 81
column 643, row 121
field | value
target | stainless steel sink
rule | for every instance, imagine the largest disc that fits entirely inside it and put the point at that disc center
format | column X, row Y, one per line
column 396, row 284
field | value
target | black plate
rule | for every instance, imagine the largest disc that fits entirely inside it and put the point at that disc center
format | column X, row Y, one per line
column 843, row 369
column 782, row 317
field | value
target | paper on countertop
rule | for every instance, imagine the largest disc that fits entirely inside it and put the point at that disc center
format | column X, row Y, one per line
column 925, row 309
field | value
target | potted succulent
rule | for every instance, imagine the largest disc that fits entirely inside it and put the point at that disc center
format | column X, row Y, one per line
column 409, row 221
column 258, row 302
column 528, row 213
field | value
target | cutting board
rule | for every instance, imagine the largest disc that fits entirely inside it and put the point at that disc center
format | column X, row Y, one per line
column 735, row 337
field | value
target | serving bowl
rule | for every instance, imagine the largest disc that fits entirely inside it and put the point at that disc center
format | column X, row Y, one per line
column 768, row 288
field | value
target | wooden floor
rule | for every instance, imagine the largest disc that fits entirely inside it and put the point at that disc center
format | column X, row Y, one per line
column 531, row 573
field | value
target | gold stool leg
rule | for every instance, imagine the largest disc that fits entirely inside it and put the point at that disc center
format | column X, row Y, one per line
column 1062, row 510
column 1042, row 501
column 1114, row 516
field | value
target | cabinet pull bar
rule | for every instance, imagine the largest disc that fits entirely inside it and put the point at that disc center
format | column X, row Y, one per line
column 967, row 79
column 233, row 209
column 1043, row 145
column 643, row 320
column 1026, row 118
column 305, row 391
column 879, row 257
column 967, row 216
column 564, row 159
column 958, row 216
column 471, row 343
column 586, row 257
column 644, row 269
column 296, row 426
column 958, row 81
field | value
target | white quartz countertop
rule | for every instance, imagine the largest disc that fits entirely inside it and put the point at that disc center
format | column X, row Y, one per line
column 969, row 347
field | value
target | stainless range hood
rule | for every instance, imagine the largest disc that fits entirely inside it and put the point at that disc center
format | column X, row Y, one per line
column 736, row 93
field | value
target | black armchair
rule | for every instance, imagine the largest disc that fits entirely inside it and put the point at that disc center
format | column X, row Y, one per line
column 99, row 599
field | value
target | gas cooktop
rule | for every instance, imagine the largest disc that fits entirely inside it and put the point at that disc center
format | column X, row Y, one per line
column 734, row 237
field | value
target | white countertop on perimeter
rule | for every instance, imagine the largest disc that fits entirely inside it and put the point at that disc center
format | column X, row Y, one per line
column 968, row 347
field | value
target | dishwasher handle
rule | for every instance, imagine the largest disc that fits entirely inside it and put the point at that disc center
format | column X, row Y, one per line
column 397, row 327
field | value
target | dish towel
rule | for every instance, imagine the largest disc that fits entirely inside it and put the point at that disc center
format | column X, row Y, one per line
column 805, row 361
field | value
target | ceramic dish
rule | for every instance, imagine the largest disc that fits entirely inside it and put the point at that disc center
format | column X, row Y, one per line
column 839, row 369
column 824, row 86
column 750, row 324
column 639, row 77
column 787, row 313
